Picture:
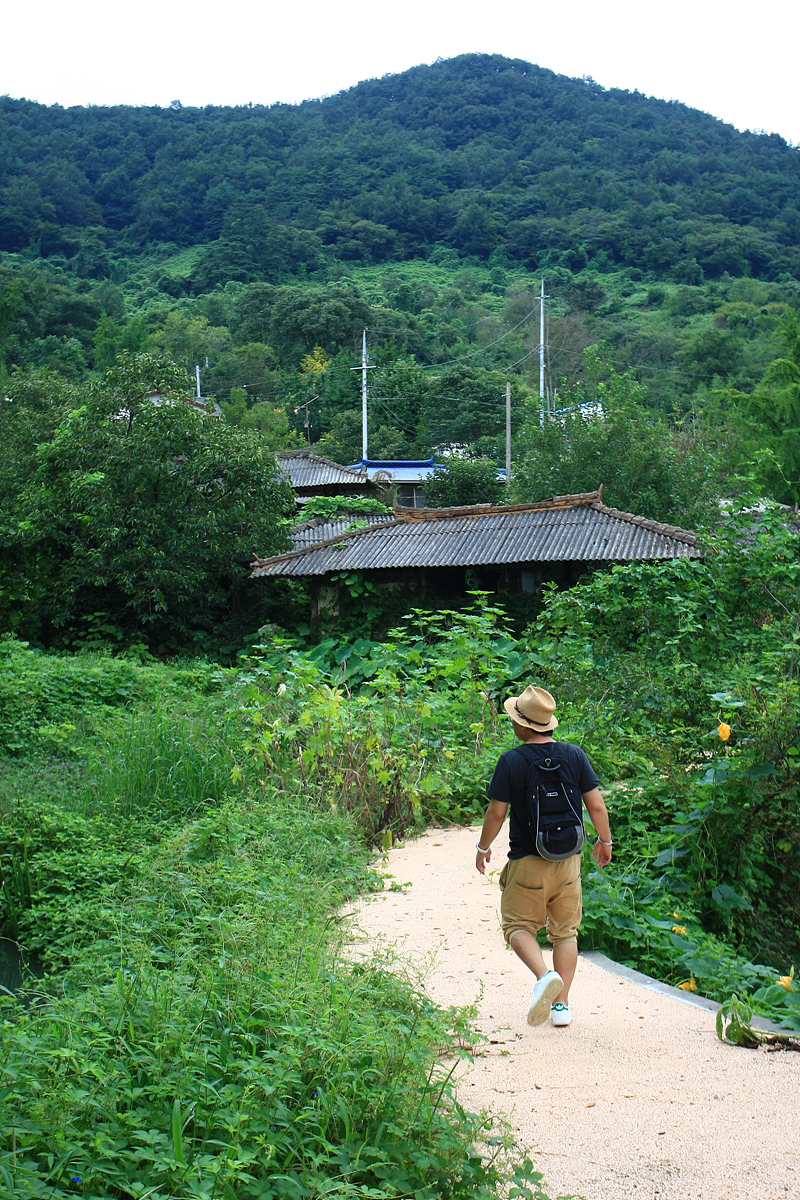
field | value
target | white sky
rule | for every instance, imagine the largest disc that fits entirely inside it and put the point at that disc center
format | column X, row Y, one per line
column 734, row 59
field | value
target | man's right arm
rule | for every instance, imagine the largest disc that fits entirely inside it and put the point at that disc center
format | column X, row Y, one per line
column 598, row 815
column 492, row 824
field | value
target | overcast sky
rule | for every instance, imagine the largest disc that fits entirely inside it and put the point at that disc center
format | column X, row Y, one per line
column 735, row 60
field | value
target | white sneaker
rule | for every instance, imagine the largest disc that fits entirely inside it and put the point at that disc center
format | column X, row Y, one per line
column 543, row 995
column 560, row 1014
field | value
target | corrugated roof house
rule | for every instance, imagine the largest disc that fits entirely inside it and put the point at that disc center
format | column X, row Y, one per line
column 311, row 475
column 435, row 553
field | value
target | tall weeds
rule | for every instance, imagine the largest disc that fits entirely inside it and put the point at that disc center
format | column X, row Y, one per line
column 159, row 760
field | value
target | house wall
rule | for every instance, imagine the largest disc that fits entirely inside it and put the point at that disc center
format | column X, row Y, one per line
column 397, row 591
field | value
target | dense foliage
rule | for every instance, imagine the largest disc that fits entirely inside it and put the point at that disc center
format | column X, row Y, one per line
column 457, row 480
column 202, row 1031
column 477, row 153
column 774, row 407
column 131, row 515
column 602, row 433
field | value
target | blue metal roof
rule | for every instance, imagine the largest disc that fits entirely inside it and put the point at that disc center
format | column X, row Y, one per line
column 388, row 463
column 400, row 470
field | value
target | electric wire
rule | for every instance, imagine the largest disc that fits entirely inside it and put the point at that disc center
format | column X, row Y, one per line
column 462, row 358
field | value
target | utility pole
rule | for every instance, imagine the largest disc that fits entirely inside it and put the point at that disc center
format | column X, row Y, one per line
column 541, row 354
column 197, row 370
column 508, row 435
column 365, row 366
column 364, row 396
column 304, row 409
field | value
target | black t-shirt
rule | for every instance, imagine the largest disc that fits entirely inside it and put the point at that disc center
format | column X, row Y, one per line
column 510, row 777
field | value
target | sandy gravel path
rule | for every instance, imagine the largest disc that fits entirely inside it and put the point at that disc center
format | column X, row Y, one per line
column 637, row 1098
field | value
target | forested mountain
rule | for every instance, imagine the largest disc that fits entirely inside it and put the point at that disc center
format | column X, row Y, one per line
column 259, row 241
column 479, row 153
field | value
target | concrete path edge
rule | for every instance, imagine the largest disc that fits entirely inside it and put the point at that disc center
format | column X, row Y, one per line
column 666, row 989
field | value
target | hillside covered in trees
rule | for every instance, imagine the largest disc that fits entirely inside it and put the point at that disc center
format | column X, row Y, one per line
column 480, row 154
column 258, row 242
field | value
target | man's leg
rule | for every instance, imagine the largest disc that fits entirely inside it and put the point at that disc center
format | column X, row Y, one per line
column 565, row 960
column 525, row 883
column 564, row 909
column 526, row 947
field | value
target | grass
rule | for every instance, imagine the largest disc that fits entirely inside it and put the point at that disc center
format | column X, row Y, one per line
column 160, row 760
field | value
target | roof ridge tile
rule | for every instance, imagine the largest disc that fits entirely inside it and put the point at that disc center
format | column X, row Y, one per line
column 481, row 510
column 674, row 531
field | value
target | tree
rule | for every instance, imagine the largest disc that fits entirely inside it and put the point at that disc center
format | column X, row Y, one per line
column 250, row 368
column 602, row 433
column 147, row 512
column 465, row 406
column 111, row 339
column 12, row 302
column 271, row 423
column 342, row 443
column 464, row 481
column 302, row 319
column 189, row 340
column 775, row 406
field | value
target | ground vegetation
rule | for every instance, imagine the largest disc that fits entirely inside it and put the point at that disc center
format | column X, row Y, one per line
column 190, row 1021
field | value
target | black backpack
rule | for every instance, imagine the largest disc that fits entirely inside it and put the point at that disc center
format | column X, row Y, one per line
column 554, row 808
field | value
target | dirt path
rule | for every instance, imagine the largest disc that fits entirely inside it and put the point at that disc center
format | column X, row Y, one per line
column 637, row 1098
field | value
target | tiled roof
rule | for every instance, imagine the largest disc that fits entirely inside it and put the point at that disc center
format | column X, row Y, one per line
column 306, row 469
column 563, row 529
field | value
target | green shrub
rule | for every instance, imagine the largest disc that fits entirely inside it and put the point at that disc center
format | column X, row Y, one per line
column 162, row 761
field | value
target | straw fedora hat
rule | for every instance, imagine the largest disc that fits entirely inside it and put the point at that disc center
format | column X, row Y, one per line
column 534, row 709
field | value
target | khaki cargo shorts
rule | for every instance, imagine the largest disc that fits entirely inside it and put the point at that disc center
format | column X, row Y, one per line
column 537, row 892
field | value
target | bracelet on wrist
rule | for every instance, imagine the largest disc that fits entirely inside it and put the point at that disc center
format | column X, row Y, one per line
column 480, row 848
column 602, row 843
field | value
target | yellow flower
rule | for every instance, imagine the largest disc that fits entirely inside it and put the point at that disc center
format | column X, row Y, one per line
column 689, row 985
column 724, row 731
column 677, row 914
column 787, row 982
column 679, row 929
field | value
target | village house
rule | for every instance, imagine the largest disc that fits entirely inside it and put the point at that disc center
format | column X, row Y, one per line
column 434, row 556
column 311, row 475
column 405, row 476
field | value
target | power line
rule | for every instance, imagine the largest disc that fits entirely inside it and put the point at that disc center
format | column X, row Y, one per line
column 451, row 362
column 530, row 353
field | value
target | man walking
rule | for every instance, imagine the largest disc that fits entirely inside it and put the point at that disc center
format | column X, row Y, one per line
column 537, row 892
